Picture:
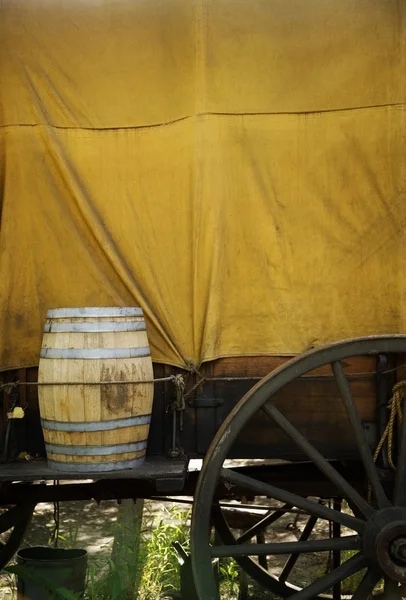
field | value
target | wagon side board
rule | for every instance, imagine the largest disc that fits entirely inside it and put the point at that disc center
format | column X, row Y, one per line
column 312, row 404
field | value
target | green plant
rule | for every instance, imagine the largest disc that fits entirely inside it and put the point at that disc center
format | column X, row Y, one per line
column 229, row 569
column 104, row 582
column 69, row 541
column 158, row 565
column 350, row 584
column 229, row 578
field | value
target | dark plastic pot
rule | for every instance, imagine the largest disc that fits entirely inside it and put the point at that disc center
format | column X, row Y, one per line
column 44, row 570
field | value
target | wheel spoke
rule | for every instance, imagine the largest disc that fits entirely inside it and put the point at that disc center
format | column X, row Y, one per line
column 400, row 481
column 262, row 558
column 336, row 531
column 313, row 508
column 364, row 449
column 290, row 563
column 367, row 585
column 318, row 459
column 262, row 524
column 352, row 542
column 351, row 566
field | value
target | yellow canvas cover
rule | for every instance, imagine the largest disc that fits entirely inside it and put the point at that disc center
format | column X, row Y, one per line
column 235, row 167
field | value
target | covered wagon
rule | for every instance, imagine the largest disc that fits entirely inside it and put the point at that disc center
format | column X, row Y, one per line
column 234, row 168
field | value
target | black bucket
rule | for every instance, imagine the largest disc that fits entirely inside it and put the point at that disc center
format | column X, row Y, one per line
column 44, row 570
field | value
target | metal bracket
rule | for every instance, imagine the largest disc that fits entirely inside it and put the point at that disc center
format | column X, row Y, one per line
column 209, row 414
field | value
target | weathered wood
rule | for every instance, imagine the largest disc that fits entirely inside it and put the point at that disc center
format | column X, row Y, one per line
column 313, row 404
column 170, row 477
column 154, row 469
column 317, row 412
column 259, row 366
column 401, row 366
column 126, row 545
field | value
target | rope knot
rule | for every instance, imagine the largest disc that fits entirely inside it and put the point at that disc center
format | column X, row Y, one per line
column 179, row 403
column 399, row 389
column 180, row 385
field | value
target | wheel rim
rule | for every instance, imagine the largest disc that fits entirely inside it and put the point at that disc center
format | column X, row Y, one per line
column 364, row 526
column 13, row 525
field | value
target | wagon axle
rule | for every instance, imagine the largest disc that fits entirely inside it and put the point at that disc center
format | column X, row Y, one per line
column 384, row 541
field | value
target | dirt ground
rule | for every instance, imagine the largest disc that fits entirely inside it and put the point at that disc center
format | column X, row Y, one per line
column 93, row 524
column 88, row 525
column 85, row 524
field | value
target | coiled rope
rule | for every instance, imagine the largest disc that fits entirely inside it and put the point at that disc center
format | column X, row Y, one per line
column 395, row 406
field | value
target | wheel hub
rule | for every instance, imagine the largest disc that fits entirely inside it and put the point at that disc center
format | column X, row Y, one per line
column 385, row 541
column 397, row 550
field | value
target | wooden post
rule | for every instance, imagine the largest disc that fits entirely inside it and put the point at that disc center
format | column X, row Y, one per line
column 126, row 543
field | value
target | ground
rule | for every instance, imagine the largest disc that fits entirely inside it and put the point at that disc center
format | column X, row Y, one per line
column 88, row 525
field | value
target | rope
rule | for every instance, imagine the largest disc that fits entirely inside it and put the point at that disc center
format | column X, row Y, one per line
column 195, row 387
column 7, row 387
column 251, row 378
column 396, row 414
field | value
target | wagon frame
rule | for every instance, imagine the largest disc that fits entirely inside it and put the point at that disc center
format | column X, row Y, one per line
column 300, row 470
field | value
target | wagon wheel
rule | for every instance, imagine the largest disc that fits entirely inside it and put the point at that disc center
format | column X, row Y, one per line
column 379, row 530
column 14, row 521
column 279, row 583
column 281, row 579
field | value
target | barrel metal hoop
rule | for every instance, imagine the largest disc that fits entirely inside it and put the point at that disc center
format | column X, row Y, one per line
column 80, row 426
column 95, row 353
column 94, row 326
column 95, row 311
column 96, row 450
column 93, row 467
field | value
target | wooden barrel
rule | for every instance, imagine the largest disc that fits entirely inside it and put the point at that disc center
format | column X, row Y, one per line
column 95, row 388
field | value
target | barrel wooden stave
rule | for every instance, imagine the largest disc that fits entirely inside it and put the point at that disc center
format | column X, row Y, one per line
column 69, row 458
column 92, row 396
column 108, row 400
